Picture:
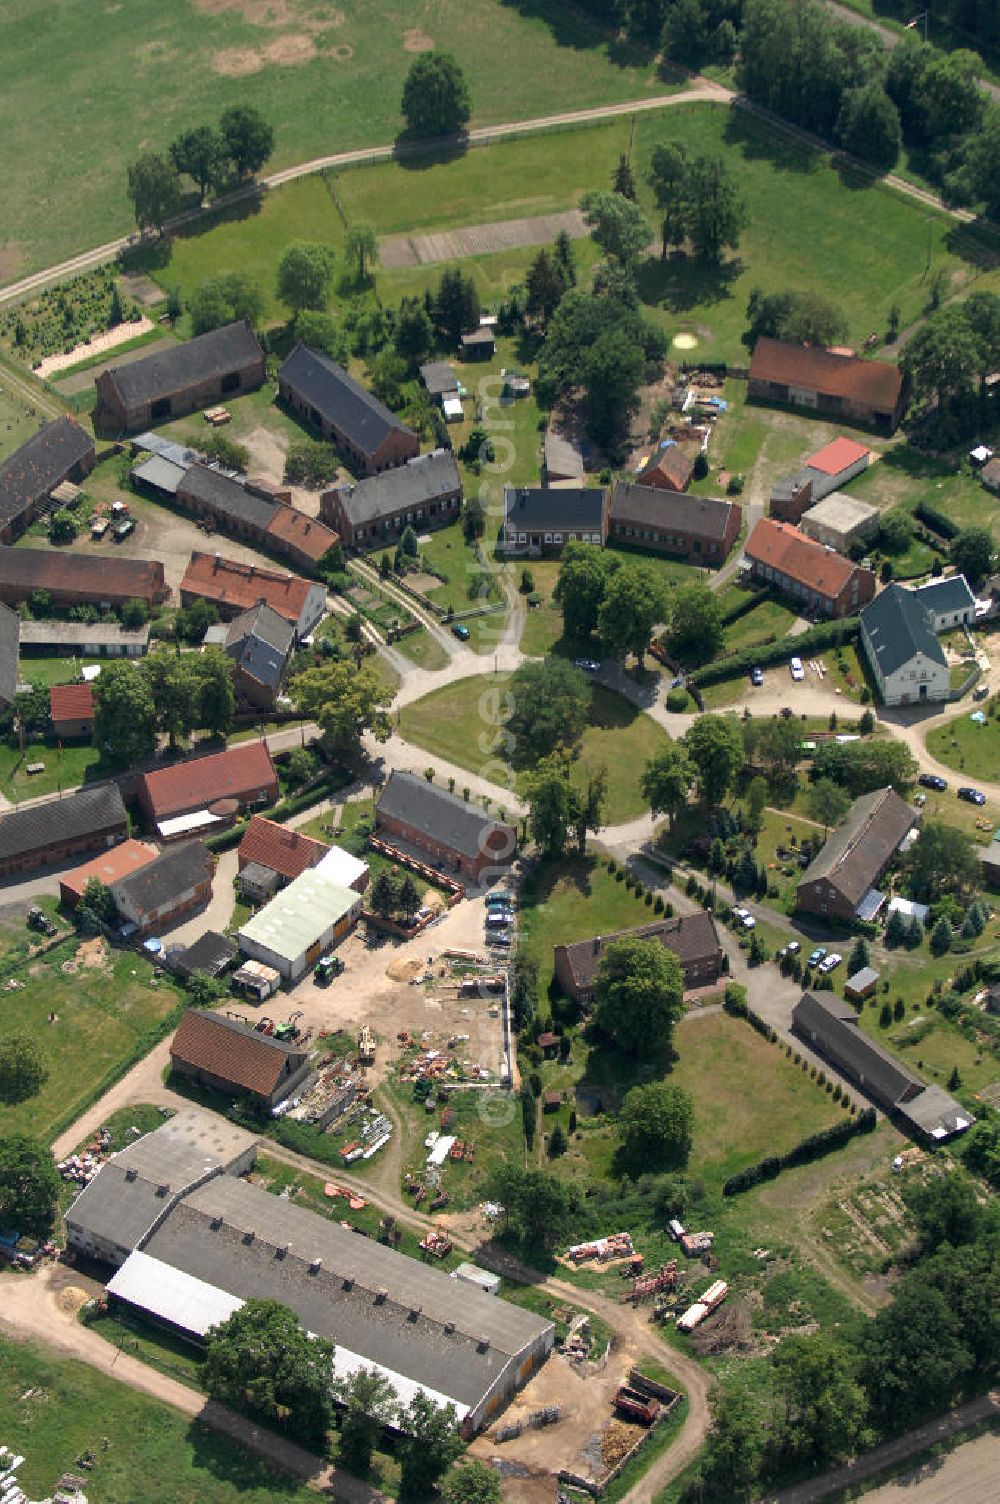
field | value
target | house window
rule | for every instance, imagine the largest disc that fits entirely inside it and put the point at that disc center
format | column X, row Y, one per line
column 548, row 537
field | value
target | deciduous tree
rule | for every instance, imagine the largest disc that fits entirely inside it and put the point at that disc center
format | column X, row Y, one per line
column 248, row 138
column 972, row 553
column 201, row 154
column 715, row 748
column 436, row 99
column 634, row 602
column 655, row 1126
column 23, row 1071
column 617, row 225
column 638, row 995
column 369, row 1403
column 361, row 249
column 943, row 860
column 305, row 274
column 154, row 190
column 695, row 632
column 261, row 1359
column 346, row 702
column 431, row 1443
column 472, row 1483
column 667, row 780
column 583, row 578
column 124, row 713
column 224, row 299
column 821, row 1407
column 551, row 701
column 29, row 1185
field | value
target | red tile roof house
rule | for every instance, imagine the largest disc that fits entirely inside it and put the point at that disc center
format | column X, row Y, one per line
column 693, row 938
column 823, row 472
column 234, row 587
column 303, row 540
column 72, row 709
column 120, row 861
column 244, row 774
column 869, row 391
column 279, row 849
column 667, row 469
column 696, row 528
column 823, row 582
column 79, row 579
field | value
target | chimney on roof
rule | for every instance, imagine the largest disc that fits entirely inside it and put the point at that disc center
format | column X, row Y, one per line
column 215, row 1223
column 348, row 1283
column 597, row 945
column 315, row 1266
column 218, row 561
column 282, row 1250
column 414, row 1313
column 449, row 1328
column 482, row 1345
column 248, row 1237
column 381, row 1296
column 162, row 1189
column 131, row 1174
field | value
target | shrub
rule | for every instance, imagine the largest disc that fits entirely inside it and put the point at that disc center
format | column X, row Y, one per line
column 823, row 635
column 677, row 700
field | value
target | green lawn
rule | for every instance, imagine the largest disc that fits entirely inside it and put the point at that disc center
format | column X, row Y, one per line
column 104, row 1016
column 904, row 477
column 52, row 1409
column 65, row 768
column 971, row 749
column 341, row 89
column 351, row 832
column 17, row 423
column 52, row 670
column 768, row 620
column 449, row 723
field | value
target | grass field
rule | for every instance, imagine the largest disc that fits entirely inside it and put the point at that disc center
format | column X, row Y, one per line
column 65, row 768
column 16, row 421
column 904, row 477
column 103, row 1013
column 329, row 80
column 53, row 1409
column 968, row 747
column 448, row 723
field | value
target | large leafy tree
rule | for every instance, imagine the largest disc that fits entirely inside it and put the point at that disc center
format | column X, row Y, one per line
column 29, row 1185
column 551, row 801
column 216, row 694
column 696, row 632
column 224, row 299
column 124, row 713
column 345, row 702
column 472, row 1483
column 638, row 995
column 943, row 860
column 583, row 578
column 248, row 138
column 201, row 154
column 23, row 1071
column 634, row 602
column 656, row 1126
column 369, row 1403
column 436, row 99
column 544, row 286
column 537, row 1205
column 716, row 213
column 715, row 747
column 821, row 1408
column 861, row 767
column 261, row 1359
column 668, row 173
column 551, row 701
column 913, row 1356
column 734, row 1448
column 305, row 274
column 943, row 359
column 868, row 126
column 827, row 802
column 777, row 746
column 617, row 225
column 431, row 1443
column 803, row 318
column 175, row 689
column 945, row 1210
column 666, row 781
column 154, row 190
column 972, row 553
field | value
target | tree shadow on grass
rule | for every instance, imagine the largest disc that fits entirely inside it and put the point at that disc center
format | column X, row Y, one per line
column 572, row 28
column 977, row 243
column 232, row 1464
column 681, row 282
column 417, row 153
column 759, row 141
column 575, row 871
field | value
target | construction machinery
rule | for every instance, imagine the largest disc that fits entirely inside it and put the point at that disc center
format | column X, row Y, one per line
column 289, row 1030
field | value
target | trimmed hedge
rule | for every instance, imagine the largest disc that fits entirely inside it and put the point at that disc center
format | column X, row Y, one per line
column 938, row 522
column 283, row 810
column 749, row 602
column 825, row 634
column 813, row 1147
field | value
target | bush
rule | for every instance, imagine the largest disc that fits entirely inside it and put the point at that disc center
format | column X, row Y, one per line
column 939, row 522
column 677, row 700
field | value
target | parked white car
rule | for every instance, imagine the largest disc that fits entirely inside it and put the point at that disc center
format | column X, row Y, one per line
column 795, row 669
column 831, row 963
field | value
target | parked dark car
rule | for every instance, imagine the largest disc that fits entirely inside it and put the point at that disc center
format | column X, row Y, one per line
column 932, row 781
column 972, row 796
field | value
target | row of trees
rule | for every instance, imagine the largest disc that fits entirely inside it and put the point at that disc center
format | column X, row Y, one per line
column 167, row 692
column 947, row 362
column 212, row 156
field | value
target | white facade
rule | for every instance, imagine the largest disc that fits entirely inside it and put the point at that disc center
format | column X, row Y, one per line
column 300, row 923
column 918, row 679
column 312, row 611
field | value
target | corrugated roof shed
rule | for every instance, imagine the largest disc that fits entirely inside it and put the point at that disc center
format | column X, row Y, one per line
column 71, row 702
column 226, row 497
column 299, row 915
column 870, row 382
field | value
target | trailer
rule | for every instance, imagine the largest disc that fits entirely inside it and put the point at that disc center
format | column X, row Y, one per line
column 695, row 1315
column 635, row 1406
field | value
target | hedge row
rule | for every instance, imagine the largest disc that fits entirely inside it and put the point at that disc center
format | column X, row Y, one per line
column 938, row 522
column 283, row 810
column 749, row 601
column 813, row 1147
column 824, row 634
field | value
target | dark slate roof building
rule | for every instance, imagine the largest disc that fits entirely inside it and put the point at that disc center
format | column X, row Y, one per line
column 91, row 819
column 949, row 601
column 136, row 1187
column 443, row 827
column 425, row 492
column 259, row 642
column 229, row 1241
column 226, row 502
column 59, row 451
column 839, row 879
column 10, row 647
column 439, row 378
column 158, row 893
column 361, row 426
column 543, row 519
column 211, row 953
column 169, row 383
column 833, row 1028
column 906, row 659
column 695, row 527
column 693, row 938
